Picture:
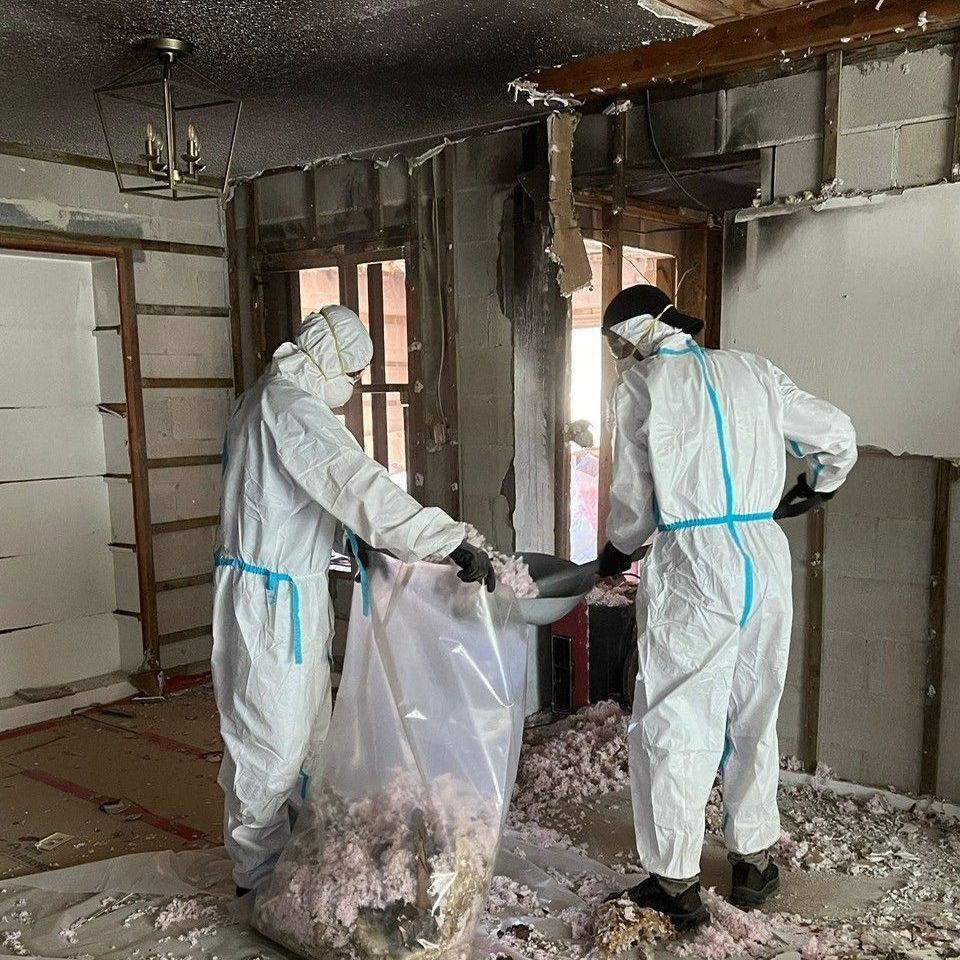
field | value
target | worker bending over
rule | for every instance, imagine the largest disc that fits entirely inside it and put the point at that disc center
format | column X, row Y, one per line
column 292, row 472
column 699, row 457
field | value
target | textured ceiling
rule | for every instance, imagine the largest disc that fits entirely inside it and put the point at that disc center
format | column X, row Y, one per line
column 318, row 78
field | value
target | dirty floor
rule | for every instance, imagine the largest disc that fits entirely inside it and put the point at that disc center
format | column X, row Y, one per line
column 153, row 765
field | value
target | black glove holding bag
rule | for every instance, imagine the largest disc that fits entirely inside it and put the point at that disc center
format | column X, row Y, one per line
column 475, row 566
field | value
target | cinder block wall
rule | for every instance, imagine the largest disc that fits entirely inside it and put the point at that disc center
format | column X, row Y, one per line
column 486, row 171
column 876, row 562
column 83, row 200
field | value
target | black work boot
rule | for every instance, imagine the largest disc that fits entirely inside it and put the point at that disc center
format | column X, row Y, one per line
column 685, row 910
column 752, row 886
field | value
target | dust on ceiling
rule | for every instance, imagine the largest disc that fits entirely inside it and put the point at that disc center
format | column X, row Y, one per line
column 318, row 79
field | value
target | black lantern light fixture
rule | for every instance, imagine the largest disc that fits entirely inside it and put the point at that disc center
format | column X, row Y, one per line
column 152, row 122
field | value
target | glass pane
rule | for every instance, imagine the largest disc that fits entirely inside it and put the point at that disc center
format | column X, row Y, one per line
column 396, row 440
column 586, row 403
column 395, row 321
column 368, row 424
column 319, row 287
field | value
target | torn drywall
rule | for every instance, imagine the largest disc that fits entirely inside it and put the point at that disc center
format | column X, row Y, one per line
column 566, row 248
column 664, row 12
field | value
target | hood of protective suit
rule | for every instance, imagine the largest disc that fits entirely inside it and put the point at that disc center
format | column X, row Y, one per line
column 332, row 343
column 647, row 333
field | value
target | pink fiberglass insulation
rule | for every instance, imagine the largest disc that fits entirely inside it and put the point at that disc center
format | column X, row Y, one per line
column 587, row 758
column 399, row 874
column 511, row 571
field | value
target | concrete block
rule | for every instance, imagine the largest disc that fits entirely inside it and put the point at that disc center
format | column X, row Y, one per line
column 845, row 761
column 775, row 111
column 120, row 493
column 904, row 87
column 950, row 688
column 953, row 560
column 845, row 660
column 483, row 466
column 948, row 783
column 31, row 180
column 475, row 508
column 870, row 723
column 502, row 529
column 185, row 336
column 185, row 608
column 170, row 278
column 865, row 159
column 476, row 269
column 903, row 550
column 126, row 579
column 500, row 327
column 850, row 545
column 284, row 196
column 477, row 215
column 197, row 650
column 882, row 485
column 796, row 167
column 180, row 493
column 686, row 127
column 478, row 420
column 898, row 770
column 473, row 324
column 492, row 159
column 924, row 152
column 183, row 553
column 202, row 417
column 875, row 607
column 896, row 670
column 485, row 371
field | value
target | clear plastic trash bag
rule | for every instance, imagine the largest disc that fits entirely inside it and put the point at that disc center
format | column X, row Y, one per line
column 394, row 848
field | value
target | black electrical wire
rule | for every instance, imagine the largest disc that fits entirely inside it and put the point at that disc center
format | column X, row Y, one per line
column 663, row 163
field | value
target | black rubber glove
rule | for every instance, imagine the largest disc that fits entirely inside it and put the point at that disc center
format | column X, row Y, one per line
column 800, row 498
column 612, row 561
column 475, row 566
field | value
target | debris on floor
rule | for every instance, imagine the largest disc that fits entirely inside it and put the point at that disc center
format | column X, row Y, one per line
column 402, row 874
column 621, row 926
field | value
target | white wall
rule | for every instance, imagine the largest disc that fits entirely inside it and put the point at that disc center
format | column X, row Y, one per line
column 56, row 573
column 858, row 303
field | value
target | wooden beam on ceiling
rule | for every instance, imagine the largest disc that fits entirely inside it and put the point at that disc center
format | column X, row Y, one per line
column 773, row 37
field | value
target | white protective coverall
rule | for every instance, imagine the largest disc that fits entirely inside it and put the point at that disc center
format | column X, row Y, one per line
column 292, row 471
column 699, row 456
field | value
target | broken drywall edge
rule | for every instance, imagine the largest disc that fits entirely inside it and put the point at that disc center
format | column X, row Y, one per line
column 663, row 11
column 566, row 248
column 434, row 151
column 13, row 718
column 845, row 788
column 830, row 199
column 530, row 90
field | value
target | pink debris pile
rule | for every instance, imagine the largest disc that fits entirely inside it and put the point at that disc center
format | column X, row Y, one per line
column 403, row 874
column 612, row 593
column 587, row 758
column 511, row 571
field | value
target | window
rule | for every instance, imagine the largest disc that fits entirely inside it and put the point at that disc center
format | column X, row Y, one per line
column 589, row 468
column 376, row 289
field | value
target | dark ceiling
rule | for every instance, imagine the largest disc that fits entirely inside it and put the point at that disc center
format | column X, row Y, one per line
column 318, row 78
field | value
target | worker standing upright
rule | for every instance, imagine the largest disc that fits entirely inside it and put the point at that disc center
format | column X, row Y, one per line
column 292, row 472
column 699, row 457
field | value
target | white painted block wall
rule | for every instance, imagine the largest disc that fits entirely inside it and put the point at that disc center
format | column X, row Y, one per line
column 57, row 589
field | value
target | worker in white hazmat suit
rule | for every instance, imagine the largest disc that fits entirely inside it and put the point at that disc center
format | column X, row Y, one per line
column 699, row 457
column 292, row 472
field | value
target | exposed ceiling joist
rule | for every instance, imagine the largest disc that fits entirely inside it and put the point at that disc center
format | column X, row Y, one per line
column 720, row 11
column 768, row 38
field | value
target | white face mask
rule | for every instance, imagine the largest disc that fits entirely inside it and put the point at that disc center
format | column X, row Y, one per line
column 337, row 391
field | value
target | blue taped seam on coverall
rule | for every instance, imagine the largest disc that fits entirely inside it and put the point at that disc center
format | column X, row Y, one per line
column 274, row 579
column 361, row 570
column 730, row 519
column 304, row 783
column 817, row 462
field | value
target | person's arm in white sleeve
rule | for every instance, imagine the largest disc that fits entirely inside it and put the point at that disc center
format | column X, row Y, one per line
column 818, row 433
column 632, row 518
column 322, row 456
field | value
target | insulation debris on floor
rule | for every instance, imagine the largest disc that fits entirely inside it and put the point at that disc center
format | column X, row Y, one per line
column 864, row 874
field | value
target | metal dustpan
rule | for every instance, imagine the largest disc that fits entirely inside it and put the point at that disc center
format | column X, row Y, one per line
column 562, row 585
